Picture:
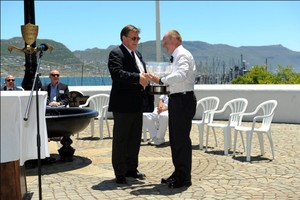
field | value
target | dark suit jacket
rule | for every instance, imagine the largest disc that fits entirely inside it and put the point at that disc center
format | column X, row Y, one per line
column 126, row 92
column 62, row 93
column 14, row 88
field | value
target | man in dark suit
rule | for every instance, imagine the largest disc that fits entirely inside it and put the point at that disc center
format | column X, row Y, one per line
column 127, row 69
column 10, row 84
column 58, row 93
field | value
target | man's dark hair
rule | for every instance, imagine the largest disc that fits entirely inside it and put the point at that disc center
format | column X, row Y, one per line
column 127, row 29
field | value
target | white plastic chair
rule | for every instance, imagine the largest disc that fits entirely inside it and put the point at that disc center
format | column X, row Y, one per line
column 98, row 102
column 21, row 89
column 235, row 106
column 144, row 135
column 261, row 123
column 207, row 104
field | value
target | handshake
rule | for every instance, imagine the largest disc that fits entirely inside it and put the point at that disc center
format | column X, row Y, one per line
column 146, row 77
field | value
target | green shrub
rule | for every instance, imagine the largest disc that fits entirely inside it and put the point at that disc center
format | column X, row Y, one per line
column 259, row 75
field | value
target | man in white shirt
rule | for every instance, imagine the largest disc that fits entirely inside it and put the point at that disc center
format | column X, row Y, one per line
column 182, row 108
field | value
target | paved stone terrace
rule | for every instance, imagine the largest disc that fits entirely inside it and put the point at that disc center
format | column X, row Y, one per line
column 214, row 175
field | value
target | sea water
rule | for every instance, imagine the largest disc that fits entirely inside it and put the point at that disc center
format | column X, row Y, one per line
column 71, row 80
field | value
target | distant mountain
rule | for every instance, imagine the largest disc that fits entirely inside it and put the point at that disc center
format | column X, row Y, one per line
column 61, row 57
column 93, row 62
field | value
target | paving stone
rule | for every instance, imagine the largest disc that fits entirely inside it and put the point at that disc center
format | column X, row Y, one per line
column 214, row 176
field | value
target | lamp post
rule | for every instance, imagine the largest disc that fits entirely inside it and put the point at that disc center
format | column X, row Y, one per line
column 30, row 59
column 31, row 79
column 29, row 34
column 31, row 66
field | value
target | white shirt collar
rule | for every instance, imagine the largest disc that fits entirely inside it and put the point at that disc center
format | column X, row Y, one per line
column 128, row 49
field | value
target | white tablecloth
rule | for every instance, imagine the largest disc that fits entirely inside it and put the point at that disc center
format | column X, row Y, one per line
column 19, row 137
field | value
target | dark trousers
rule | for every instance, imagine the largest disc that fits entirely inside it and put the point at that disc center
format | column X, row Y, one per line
column 182, row 108
column 127, row 133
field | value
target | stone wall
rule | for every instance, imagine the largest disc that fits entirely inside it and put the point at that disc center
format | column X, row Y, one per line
column 288, row 97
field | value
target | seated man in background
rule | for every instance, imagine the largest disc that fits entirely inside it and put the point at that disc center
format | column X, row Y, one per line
column 157, row 122
column 58, row 93
column 10, row 84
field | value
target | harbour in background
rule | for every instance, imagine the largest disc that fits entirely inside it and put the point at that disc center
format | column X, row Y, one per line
column 71, row 80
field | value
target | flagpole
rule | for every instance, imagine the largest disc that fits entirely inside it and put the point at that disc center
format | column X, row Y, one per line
column 158, row 43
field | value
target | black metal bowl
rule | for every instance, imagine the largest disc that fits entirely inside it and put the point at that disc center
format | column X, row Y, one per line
column 62, row 121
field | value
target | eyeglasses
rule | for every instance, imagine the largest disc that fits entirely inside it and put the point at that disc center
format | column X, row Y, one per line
column 134, row 38
column 10, row 80
column 55, row 75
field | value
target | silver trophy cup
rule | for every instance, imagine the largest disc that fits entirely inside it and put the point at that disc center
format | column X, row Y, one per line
column 160, row 69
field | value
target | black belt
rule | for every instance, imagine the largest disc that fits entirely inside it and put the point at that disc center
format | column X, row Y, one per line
column 181, row 93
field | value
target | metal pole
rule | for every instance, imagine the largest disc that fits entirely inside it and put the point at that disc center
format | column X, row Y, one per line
column 158, row 44
column 82, row 74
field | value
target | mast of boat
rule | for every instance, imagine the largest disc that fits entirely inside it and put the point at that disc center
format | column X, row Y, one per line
column 158, row 43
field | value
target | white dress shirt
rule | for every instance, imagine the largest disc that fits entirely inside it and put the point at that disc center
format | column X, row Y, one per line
column 182, row 78
column 137, row 60
column 139, row 63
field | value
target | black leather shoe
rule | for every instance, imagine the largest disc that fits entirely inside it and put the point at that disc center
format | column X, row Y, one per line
column 135, row 174
column 175, row 183
column 166, row 180
column 121, row 180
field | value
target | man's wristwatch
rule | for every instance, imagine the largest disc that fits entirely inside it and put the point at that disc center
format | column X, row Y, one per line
column 160, row 82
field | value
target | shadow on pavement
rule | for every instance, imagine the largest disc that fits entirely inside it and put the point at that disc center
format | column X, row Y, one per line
column 93, row 138
column 58, row 166
column 138, row 188
column 254, row 159
column 156, row 189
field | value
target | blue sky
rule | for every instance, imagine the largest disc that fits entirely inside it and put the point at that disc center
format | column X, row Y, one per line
column 88, row 24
